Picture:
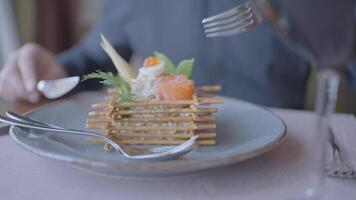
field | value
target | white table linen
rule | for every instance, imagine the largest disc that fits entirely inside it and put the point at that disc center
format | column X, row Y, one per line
column 24, row 175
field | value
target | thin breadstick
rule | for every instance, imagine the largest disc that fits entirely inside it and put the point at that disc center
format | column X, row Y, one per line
column 152, row 128
column 194, row 108
column 162, row 135
column 165, row 142
column 153, row 142
column 206, row 118
column 152, row 102
column 201, row 101
column 208, row 88
column 195, row 100
column 204, row 88
column 205, row 100
column 200, row 94
column 107, row 146
column 107, row 116
column 155, row 111
column 141, row 128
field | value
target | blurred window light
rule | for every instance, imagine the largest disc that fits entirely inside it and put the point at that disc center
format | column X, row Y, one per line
column 9, row 40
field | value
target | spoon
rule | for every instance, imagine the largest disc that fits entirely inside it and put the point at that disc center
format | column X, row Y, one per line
column 160, row 153
column 56, row 88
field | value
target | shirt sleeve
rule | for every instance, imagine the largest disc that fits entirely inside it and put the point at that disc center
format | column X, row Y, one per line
column 87, row 56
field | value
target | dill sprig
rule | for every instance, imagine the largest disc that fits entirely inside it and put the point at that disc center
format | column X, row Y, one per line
column 115, row 80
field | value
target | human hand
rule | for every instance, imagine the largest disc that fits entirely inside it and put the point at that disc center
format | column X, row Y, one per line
column 25, row 67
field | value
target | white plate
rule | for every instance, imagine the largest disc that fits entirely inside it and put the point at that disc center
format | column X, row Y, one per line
column 244, row 131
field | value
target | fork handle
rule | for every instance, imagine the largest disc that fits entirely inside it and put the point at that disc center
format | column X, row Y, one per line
column 46, row 128
column 19, row 117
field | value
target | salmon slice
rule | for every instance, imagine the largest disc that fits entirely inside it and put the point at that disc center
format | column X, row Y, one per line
column 175, row 87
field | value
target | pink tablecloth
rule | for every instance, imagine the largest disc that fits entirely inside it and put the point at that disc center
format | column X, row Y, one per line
column 24, row 175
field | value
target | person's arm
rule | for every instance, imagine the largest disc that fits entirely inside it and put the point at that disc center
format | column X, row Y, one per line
column 31, row 63
column 87, row 56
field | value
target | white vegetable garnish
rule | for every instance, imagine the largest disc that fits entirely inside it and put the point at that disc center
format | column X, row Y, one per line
column 125, row 70
column 152, row 71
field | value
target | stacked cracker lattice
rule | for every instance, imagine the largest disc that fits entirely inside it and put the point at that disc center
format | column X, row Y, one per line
column 157, row 122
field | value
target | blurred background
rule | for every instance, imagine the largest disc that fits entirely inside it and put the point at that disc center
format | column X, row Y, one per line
column 58, row 24
column 55, row 24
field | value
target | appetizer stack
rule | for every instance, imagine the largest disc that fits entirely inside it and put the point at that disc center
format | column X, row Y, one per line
column 157, row 105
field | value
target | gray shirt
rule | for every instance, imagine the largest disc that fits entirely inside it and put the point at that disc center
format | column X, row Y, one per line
column 255, row 66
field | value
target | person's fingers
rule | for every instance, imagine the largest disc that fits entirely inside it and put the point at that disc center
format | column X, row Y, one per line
column 12, row 88
column 7, row 73
column 22, row 92
column 16, row 87
column 11, row 65
column 11, row 84
column 27, row 66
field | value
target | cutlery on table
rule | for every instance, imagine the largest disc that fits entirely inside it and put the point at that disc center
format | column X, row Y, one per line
column 157, row 153
column 251, row 13
column 338, row 167
column 53, row 89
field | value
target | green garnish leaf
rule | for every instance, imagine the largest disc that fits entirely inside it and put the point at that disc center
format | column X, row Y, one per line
column 169, row 66
column 185, row 67
column 115, row 80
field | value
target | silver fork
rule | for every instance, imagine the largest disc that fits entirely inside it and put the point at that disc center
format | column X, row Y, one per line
column 338, row 167
column 236, row 20
column 51, row 89
column 251, row 13
column 160, row 153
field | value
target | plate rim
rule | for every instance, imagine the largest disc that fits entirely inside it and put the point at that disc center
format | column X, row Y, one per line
column 220, row 161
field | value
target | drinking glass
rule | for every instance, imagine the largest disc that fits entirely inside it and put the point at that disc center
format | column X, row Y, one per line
column 321, row 32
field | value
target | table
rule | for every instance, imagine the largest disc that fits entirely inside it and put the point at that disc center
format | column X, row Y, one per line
column 24, row 175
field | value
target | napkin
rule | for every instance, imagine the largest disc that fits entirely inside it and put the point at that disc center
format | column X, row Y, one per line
column 344, row 129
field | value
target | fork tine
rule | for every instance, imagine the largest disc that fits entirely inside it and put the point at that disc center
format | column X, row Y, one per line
column 236, row 20
column 228, row 13
column 228, row 32
column 228, row 20
column 240, row 23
